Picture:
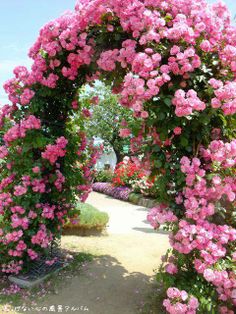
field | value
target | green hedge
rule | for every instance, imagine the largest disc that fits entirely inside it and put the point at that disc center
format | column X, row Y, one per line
column 89, row 218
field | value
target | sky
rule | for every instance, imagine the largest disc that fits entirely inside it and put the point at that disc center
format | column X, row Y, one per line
column 20, row 22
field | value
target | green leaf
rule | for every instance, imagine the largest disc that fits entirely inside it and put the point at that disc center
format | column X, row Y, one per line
column 189, row 149
column 168, row 102
column 161, row 116
column 184, row 141
column 156, row 148
column 163, row 136
column 158, row 163
column 117, row 37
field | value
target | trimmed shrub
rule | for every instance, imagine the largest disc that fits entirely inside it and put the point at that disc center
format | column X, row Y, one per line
column 89, row 217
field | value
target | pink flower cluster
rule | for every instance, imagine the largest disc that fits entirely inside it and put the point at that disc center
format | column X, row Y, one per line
column 225, row 96
column 75, row 60
column 5, row 201
column 186, row 103
column 7, row 181
column 209, row 239
column 32, row 254
column 204, row 196
column 19, row 222
column 17, row 93
column 17, row 209
column 20, row 248
column 59, row 181
column 41, row 238
column 124, row 133
column 26, row 96
column 145, row 65
column 19, row 190
column 160, row 215
column 182, row 63
column 67, row 33
column 179, row 302
column 83, row 143
column 38, row 185
column 222, row 153
column 13, row 267
column 13, row 236
column 19, row 130
column 53, row 152
column 3, row 152
column 171, row 268
column 107, row 60
column 224, row 282
column 135, row 91
column 48, row 211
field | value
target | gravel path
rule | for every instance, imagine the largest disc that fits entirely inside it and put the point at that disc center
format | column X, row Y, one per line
column 119, row 279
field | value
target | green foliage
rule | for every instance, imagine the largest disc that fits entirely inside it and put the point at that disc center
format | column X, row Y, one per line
column 1, row 221
column 135, row 198
column 107, row 116
column 103, row 176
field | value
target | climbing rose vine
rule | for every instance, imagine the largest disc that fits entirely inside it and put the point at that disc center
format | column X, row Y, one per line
column 173, row 63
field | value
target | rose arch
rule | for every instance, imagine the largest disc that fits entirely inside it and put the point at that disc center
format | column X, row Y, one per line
column 174, row 64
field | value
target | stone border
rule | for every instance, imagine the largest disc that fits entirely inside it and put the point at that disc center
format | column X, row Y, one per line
column 83, row 232
column 140, row 200
column 135, row 198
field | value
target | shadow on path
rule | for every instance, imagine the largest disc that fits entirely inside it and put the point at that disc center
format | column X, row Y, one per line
column 104, row 287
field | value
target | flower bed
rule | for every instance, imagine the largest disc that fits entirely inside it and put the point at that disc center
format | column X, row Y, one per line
column 124, row 193
column 121, row 193
column 127, row 173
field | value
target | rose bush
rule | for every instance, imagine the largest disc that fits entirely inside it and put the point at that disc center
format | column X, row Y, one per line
column 173, row 63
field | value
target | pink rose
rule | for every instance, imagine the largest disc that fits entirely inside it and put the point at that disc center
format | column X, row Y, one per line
column 125, row 132
column 171, row 268
column 36, row 169
column 177, row 130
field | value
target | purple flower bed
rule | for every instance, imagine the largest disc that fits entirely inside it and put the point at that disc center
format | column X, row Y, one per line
column 121, row 193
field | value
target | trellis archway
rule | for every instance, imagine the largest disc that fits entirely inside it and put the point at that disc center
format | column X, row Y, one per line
column 174, row 64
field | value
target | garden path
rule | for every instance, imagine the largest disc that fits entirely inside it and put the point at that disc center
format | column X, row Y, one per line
column 119, row 279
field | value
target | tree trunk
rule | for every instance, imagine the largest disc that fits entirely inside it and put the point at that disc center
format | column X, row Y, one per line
column 119, row 155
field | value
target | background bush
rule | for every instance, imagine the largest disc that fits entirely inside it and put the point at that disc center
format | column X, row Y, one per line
column 103, row 176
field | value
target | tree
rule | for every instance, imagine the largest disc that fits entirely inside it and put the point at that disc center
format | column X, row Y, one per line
column 108, row 117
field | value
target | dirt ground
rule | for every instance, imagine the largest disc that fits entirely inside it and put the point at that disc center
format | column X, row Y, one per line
column 119, row 279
